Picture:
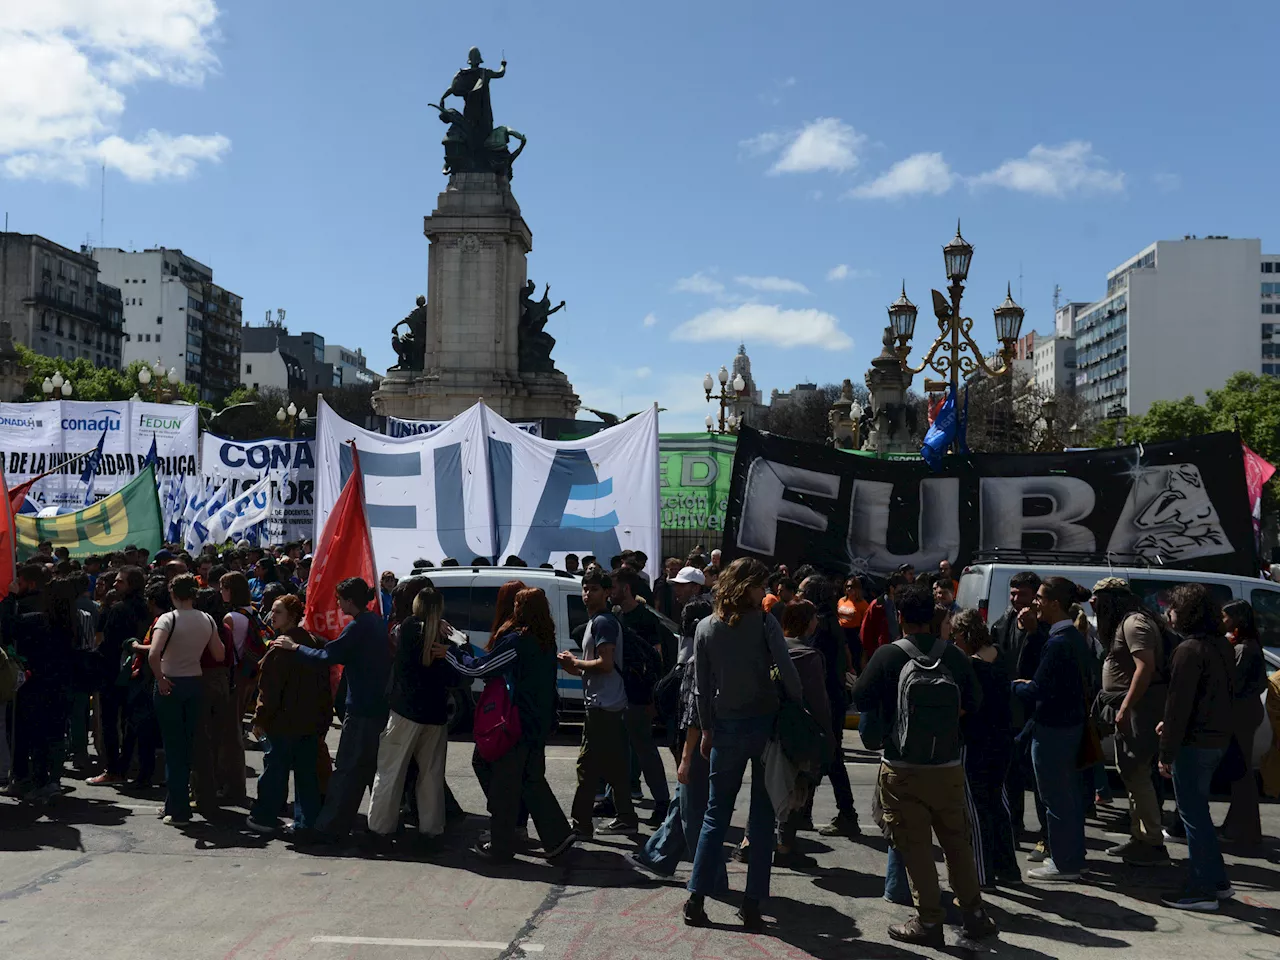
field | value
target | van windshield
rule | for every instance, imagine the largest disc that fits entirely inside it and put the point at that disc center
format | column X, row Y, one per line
column 969, row 594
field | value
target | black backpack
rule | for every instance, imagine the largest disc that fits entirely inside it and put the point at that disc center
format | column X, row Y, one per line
column 641, row 667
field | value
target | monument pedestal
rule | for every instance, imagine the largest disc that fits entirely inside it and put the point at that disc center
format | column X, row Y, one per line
column 476, row 272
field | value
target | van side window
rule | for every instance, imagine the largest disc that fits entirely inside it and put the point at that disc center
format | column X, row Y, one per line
column 457, row 606
column 484, row 604
column 577, row 612
column 1155, row 593
column 1266, row 610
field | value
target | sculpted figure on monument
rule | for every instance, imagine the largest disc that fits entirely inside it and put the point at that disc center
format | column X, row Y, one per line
column 411, row 346
column 472, row 143
column 535, row 343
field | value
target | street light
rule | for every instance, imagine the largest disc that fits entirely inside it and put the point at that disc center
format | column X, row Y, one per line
column 954, row 354
column 289, row 417
column 166, row 382
column 1117, row 415
column 729, row 393
column 56, row 384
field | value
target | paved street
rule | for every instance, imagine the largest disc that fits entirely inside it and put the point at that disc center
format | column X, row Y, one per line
column 92, row 878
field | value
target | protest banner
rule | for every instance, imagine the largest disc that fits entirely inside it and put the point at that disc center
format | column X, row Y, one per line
column 1182, row 503
column 479, row 487
column 695, row 469
column 289, row 463
column 36, row 438
column 400, row 427
column 131, row 515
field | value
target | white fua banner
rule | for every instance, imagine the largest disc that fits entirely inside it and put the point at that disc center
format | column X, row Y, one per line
column 38, row 437
column 289, row 463
column 399, row 427
column 481, row 487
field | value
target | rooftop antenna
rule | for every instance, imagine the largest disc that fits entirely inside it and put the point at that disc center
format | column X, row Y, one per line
column 1057, row 298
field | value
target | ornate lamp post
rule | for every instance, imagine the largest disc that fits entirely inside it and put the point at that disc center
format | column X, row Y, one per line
column 166, row 389
column 1048, row 412
column 1117, row 416
column 56, row 387
column 288, row 418
column 727, row 423
column 953, row 354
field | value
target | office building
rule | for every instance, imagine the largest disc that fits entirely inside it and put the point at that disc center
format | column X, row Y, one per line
column 174, row 314
column 273, row 358
column 1178, row 318
column 349, row 366
column 57, row 303
column 1054, row 364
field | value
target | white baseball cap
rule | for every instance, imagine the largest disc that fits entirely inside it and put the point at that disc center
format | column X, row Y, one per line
column 690, row 575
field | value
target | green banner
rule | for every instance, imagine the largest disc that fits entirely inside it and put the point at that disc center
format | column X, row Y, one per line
column 131, row 515
column 695, row 469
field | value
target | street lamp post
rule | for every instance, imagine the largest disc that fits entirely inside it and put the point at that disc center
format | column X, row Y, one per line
column 288, row 417
column 166, row 388
column 728, row 423
column 1117, row 415
column 953, row 354
column 56, row 387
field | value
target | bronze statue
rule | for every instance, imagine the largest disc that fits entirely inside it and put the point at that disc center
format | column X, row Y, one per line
column 472, row 143
column 535, row 344
column 411, row 346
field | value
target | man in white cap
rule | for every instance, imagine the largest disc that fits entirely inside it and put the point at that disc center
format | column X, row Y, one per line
column 685, row 585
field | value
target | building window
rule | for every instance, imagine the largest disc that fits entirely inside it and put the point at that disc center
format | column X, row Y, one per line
column 147, row 337
column 157, row 338
column 1266, row 266
column 248, row 369
column 159, row 319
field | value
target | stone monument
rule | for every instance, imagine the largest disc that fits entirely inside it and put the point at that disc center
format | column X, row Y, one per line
column 479, row 332
column 891, row 418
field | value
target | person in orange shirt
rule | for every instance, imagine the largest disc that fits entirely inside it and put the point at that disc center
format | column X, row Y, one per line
column 852, row 606
column 782, row 590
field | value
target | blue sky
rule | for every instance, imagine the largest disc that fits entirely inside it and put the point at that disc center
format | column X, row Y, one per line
column 697, row 173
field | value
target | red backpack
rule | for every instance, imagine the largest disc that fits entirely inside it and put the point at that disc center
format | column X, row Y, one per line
column 497, row 722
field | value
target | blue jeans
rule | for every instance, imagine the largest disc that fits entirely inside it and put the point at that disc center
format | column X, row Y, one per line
column 282, row 756
column 678, row 835
column 736, row 743
column 897, row 889
column 1053, row 757
column 1192, row 771
column 178, row 712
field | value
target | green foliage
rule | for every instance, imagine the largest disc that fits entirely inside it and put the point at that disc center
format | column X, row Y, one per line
column 89, row 382
column 1166, row 420
column 1246, row 401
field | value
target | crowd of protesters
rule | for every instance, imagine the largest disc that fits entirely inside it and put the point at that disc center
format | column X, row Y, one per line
column 747, row 669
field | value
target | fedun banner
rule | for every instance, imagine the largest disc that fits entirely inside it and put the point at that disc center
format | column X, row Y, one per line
column 38, row 437
column 1181, row 504
column 131, row 515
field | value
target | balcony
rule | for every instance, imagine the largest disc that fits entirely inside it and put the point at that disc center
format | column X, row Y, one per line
column 67, row 309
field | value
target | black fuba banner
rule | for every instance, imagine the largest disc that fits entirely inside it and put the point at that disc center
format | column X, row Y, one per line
column 1179, row 504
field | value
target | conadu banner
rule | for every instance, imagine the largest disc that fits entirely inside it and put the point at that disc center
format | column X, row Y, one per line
column 1181, row 504
column 291, row 466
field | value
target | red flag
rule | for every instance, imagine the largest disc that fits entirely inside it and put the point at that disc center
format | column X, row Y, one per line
column 18, row 495
column 345, row 550
column 8, row 541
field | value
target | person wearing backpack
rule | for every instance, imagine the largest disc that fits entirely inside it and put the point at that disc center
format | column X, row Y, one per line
column 1058, row 694
column 605, row 745
column 734, row 652
column 919, row 687
column 656, row 653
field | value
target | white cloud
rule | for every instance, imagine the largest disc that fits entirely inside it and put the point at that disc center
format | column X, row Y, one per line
column 772, row 284
column 842, row 271
column 1072, row 168
column 699, row 283
column 921, row 173
column 650, row 320
column 644, row 373
column 839, row 272
column 827, row 143
column 64, row 67
column 767, row 323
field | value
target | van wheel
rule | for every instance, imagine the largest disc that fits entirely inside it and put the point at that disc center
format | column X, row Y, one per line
column 459, row 708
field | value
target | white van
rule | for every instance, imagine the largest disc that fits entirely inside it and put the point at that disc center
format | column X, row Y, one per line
column 985, row 588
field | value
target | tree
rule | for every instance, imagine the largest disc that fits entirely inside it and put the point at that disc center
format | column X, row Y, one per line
column 805, row 417
column 89, row 382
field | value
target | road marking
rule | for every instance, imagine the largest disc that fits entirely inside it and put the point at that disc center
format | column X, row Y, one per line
column 405, row 942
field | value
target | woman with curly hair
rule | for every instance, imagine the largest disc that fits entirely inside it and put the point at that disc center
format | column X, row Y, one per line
column 1194, row 736
column 734, row 651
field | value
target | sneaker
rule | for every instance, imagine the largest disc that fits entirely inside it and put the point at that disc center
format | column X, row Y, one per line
column 1226, row 891
column 619, row 828
column 40, row 794
column 259, row 827
column 1120, row 849
column 978, row 925
column 741, row 853
column 1177, row 830
column 1195, row 902
column 844, row 825
column 1145, row 855
column 694, row 913
column 640, row 862
column 169, row 820
column 916, row 932
column 583, row 831
column 1009, row 878
column 1050, row 873
column 485, row 852
column 561, row 847
column 105, row 780
column 1040, row 854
